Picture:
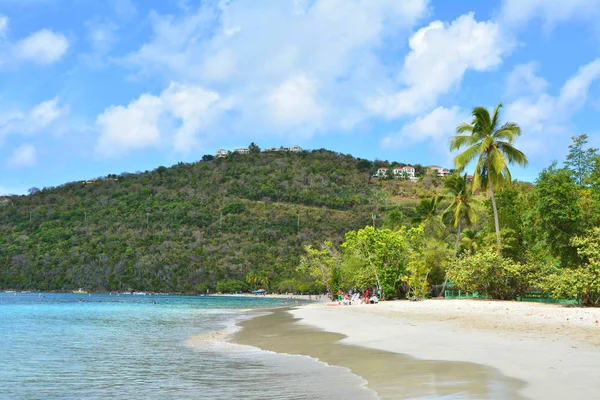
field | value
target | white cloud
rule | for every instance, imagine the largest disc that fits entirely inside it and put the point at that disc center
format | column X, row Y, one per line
column 439, row 57
column 516, row 13
column 293, row 102
column 324, row 51
column 43, row 47
column 41, row 116
column 542, row 117
column 436, row 128
column 524, row 80
column 147, row 121
column 3, row 26
column 22, row 156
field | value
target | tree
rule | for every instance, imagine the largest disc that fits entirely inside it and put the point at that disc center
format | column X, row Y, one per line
column 252, row 278
column 380, row 253
column 208, row 157
column 558, row 213
column 579, row 160
column 427, row 210
column 323, row 264
column 253, row 148
column 469, row 242
column 460, row 211
column 426, row 214
column 491, row 144
column 583, row 281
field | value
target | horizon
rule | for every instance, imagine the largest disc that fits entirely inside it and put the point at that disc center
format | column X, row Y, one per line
column 98, row 88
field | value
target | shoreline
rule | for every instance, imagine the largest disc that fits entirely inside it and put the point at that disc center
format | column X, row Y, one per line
column 391, row 375
column 554, row 349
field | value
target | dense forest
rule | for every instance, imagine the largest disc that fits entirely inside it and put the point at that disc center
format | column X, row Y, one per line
column 191, row 227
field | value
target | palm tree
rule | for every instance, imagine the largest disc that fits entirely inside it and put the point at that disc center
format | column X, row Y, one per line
column 492, row 145
column 460, row 211
column 468, row 241
column 427, row 215
column 427, row 210
column 252, row 278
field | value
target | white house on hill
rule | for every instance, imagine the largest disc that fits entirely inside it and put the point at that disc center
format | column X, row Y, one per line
column 242, row 151
column 381, row 172
column 221, row 153
column 441, row 171
column 408, row 169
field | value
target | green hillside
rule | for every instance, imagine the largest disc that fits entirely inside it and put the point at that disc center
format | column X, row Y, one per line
column 191, row 226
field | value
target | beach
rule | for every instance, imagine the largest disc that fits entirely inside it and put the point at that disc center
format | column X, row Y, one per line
column 554, row 350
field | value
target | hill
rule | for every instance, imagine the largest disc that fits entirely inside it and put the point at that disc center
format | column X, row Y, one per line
column 191, row 226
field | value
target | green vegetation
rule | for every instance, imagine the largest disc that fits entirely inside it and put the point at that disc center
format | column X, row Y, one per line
column 548, row 247
column 314, row 222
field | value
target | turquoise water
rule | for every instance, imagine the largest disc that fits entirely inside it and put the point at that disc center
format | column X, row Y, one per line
column 54, row 346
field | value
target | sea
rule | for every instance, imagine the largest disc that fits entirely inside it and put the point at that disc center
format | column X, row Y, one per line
column 99, row 346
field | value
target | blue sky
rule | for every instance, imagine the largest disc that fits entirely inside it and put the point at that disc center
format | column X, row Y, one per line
column 89, row 88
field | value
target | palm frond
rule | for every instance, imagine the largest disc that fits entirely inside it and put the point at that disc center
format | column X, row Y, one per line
column 464, row 127
column 481, row 117
column 464, row 158
column 513, row 154
column 458, row 141
column 495, row 117
column 509, row 132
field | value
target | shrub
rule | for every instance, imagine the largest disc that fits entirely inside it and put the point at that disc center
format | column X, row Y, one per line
column 498, row 278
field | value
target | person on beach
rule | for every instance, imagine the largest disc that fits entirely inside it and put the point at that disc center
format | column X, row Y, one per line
column 365, row 300
column 374, row 300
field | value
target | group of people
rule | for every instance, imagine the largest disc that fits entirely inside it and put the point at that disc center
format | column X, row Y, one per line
column 345, row 297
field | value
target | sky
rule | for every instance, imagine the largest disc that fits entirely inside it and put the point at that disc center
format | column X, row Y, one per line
column 90, row 88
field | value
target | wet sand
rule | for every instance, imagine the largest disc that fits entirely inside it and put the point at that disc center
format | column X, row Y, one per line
column 553, row 349
column 392, row 375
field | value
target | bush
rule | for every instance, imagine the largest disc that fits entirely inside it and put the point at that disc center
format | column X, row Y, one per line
column 582, row 282
column 498, row 278
column 231, row 286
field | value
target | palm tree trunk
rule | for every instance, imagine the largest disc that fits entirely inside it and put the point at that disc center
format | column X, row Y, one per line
column 455, row 253
column 496, row 221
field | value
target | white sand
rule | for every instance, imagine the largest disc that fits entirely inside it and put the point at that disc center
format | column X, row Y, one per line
column 555, row 350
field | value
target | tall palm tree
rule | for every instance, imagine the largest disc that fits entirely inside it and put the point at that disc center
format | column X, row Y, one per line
column 427, row 215
column 468, row 241
column 492, row 145
column 460, row 211
column 427, row 209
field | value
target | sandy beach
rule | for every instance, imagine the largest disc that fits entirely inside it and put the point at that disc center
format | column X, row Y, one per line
column 555, row 350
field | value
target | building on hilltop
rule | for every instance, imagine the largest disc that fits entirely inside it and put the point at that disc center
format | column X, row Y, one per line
column 441, row 171
column 242, row 151
column 295, row 149
column 221, row 153
column 381, row 172
column 4, row 201
column 408, row 171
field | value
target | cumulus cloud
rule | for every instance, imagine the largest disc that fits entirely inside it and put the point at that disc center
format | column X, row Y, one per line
column 543, row 116
column 435, row 127
column 439, row 56
column 293, row 102
column 321, row 56
column 22, row 156
column 41, row 47
column 516, row 13
column 523, row 79
column 39, row 117
column 149, row 120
